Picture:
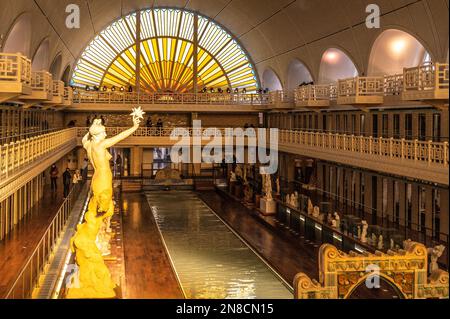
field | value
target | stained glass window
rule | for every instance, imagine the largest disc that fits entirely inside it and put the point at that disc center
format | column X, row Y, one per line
column 166, row 43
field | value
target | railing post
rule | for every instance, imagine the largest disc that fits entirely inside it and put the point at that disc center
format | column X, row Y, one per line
column 445, row 154
column 403, row 148
column 415, row 150
column 370, row 144
column 391, row 147
column 430, row 145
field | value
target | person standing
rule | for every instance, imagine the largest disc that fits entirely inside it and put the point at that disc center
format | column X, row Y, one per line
column 84, row 169
column 67, row 179
column 54, row 177
column 119, row 165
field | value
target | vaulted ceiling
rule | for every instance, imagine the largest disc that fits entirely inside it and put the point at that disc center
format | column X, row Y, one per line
column 274, row 32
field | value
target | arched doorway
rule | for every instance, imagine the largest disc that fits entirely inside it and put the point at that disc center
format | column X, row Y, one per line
column 298, row 73
column 394, row 50
column 271, row 81
column 19, row 36
column 335, row 65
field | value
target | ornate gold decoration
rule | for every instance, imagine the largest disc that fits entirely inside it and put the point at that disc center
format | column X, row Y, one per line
column 404, row 269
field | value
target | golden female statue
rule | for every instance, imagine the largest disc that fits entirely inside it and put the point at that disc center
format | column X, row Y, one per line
column 94, row 278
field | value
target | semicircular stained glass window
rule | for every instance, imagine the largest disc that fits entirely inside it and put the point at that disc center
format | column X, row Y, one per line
column 166, row 43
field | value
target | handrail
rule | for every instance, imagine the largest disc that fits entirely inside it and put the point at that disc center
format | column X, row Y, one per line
column 420, row 151
column 28, row 277
column 17, row 155
column 15, row 68
column 426, row 152
column 41, row 81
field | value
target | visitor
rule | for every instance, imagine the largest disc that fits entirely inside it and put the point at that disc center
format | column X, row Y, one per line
column 67, row 179
column 159, row 126
column 84, row 169
column 246, row 126
column 149, row 122
column 103, row 120
column 88, row 121
column 76, row 177
column 71, row 123
column 54, row 177
column 130, row 89
column 119, row 165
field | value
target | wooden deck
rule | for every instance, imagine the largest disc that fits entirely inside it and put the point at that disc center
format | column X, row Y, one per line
column 17, row 248
column 149, row 273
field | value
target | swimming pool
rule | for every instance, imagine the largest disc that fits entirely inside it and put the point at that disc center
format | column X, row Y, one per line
column 211, row 261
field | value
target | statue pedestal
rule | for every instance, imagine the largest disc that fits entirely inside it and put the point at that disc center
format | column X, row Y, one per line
column 267, row 207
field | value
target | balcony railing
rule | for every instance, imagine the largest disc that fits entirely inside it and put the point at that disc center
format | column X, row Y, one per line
column 58, row 88
column 41, row 81
column 170, row 98
column 15, row 68
column 425, row 152
column 17, row 155
column 360, row 86
column 426, row 77
column 28, row 277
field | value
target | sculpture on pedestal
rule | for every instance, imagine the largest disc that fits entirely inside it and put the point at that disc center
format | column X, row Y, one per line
column 267, row 186
column 94, row 277
column 435, row 253
column 365, row 226
column 380, row 244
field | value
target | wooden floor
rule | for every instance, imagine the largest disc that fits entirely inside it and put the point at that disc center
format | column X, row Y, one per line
column 16, row 249
column 149, row 274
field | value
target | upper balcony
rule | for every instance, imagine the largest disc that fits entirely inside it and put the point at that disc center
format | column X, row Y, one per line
column 360, row 90
column 41, row 86
column 22, row 160
column 15, row 76
column 425, row 83
column 236, row 102
column 19, row 84
column 411, row 158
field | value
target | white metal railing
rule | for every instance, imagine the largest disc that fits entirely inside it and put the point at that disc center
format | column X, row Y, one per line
column 425, row 152
column 42, row 81
column 15, row 68
column 17, row 155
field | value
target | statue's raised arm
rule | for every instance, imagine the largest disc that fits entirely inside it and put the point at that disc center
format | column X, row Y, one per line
column 137, row 117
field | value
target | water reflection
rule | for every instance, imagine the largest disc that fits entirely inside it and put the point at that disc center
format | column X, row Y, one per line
column 209, row 259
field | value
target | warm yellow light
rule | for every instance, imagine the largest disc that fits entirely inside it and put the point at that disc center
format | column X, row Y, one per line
column 330, row 56
column 398, row 45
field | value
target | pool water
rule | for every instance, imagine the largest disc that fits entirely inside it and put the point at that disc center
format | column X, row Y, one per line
column 210, row 260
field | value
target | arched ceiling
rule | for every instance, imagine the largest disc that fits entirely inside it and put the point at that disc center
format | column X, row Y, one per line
column 273, row 31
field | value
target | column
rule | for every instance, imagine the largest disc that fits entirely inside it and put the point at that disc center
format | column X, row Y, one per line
column 136, row 160
column 444, row 211
column 429, row 210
